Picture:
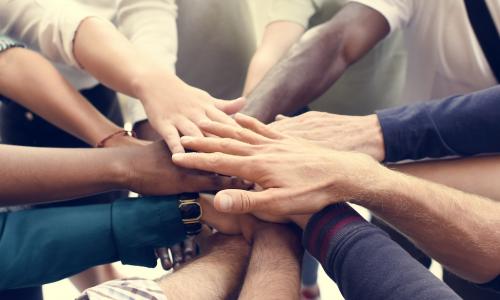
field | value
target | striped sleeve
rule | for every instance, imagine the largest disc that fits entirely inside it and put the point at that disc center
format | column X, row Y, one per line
column 364, row 262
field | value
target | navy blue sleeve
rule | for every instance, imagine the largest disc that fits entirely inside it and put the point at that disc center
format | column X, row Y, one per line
column 364, row 262
column 493, row 285
column 456, row 126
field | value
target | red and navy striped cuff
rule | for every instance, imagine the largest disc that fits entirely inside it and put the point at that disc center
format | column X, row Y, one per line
column 326, row 227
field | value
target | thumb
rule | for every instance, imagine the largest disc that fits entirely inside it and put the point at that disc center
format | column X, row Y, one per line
column 241, row 201
column 230, row 107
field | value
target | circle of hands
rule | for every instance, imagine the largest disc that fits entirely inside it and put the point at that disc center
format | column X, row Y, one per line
column 278, row 173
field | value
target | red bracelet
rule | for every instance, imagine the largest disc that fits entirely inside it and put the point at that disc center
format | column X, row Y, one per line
column 123, row 132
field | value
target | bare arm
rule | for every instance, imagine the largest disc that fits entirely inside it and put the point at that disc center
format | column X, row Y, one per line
column 274, row 268
column 172, row 106
column 34, row 175
column 214, row 276
column 30, row 80
column 278, row 37
column 317, row 61
column 477, row 175
column 458, row 229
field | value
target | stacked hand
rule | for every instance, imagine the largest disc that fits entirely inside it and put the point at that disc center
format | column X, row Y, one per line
column 175, row 108
column 338, row 132
column 297, row 177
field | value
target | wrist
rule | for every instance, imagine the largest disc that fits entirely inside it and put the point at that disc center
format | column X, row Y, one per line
column 374, row 138
column 117, row 163
column 374, row 191
column 144, row 81
column 354, row 175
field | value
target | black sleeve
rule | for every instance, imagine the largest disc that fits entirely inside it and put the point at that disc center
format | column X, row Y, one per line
column 456, row 126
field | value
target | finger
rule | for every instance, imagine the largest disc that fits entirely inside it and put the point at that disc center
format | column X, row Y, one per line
column 188, row 128
column 230, row 107
column 233, row 132
column 241, row 202
column 281, row 117
column 172, row 138
column 214, row 183
column 210, row 145
column 257, row 126
column 221, row 117
column 164, row 256
column 219, row 163
column 189, row 248
column 177, row 256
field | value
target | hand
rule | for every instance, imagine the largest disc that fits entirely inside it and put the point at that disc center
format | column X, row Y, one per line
column 175, row 108
column 298, row 177
column 149, row 170
column 229, row 224
column 344, row 133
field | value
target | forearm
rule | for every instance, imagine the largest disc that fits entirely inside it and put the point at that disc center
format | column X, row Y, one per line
column 128, row 230
column 279, row 36
column 304, row 73
column 476, row 175
column 34, row 175
column 316, row 62
column 117, row 62
column 30, row 80
column 364, row 261
column 62, row 250
column 459, row 230
column 274, row 268
column 213, row 276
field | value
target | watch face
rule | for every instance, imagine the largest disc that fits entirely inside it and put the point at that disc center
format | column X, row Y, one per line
column 190, row 210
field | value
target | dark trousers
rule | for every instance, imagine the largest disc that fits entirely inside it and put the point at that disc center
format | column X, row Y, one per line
column 18, row 126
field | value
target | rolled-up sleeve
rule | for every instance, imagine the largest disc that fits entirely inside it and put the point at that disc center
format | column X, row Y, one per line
column 46, row 26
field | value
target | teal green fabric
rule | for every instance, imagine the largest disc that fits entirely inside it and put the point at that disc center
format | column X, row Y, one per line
column 44, row 245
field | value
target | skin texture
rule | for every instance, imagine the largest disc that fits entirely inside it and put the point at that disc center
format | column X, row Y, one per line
column 49, row 95
column 274, row 268
column 316, row 62
column 345, row 133
column 297, row 176
column 277, row 39
column 437, row 218
column 272, row 264
column 172, row 106
column 36, row 175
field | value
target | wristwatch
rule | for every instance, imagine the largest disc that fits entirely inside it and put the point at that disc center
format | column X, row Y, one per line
column 191, row 213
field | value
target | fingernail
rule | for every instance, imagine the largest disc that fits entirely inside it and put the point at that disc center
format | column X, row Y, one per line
column 186, row 138
column 225, row 202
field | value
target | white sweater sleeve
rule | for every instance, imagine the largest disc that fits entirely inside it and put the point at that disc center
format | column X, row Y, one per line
column 48, row 26
column 151, row 26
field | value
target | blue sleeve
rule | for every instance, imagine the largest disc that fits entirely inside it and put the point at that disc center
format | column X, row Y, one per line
column 44, row 245
column 456, row 126
column 493, row 285
column 364, row 262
